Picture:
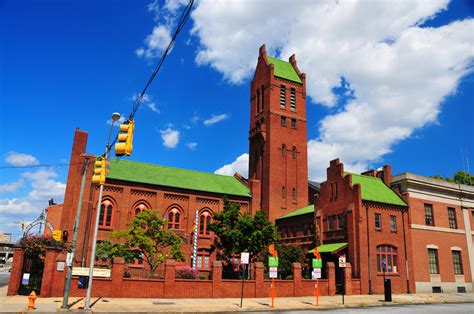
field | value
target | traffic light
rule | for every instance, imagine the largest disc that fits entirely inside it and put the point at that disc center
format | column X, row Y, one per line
column 125, row 138
column 100, row 170
column 65, row 235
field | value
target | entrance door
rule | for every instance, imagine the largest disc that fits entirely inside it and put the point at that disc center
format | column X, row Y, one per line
column 32, row 274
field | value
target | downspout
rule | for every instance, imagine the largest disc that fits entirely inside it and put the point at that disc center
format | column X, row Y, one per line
column 368, row 247
column 87, row 229
column 405, row 248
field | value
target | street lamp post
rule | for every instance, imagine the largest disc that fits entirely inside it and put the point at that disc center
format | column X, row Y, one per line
column 115, row 117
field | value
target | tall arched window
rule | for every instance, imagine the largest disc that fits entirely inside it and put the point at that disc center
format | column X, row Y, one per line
column 174, row 218
column 293, row 152
column 105, row 216
column 204, row 222
column 390, row 255
column 139, row 208
column 283, row 191
column 263, row 97
column 283, row 150
column 293, row 193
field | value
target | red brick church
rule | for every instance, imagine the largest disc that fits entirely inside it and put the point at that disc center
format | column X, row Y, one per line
column 359, row 216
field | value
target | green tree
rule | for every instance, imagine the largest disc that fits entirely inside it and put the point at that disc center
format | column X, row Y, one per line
column 236, row 232
column 461, row 176
column 147, row 236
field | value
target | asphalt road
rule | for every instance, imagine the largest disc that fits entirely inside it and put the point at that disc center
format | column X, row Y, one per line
column 4, row 278
column 426, row 308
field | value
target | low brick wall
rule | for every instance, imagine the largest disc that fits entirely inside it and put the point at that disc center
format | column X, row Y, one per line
column 119, row 287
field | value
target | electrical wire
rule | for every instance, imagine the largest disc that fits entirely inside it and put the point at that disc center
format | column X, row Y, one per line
column 40, row 166
column 139, row 100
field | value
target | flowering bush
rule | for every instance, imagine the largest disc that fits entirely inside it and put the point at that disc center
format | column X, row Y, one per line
column 186, row 272
column 37, row 244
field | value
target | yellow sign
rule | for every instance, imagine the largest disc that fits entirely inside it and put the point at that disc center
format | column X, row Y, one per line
column 57, row 235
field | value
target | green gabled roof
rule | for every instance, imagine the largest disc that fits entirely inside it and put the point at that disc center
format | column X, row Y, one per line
column 305, row 210
column 284, row 70
column 329, row 248
column 175, row 177
column 373, row 189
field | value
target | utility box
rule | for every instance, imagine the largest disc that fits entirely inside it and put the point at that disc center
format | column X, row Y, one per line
column 387, row 288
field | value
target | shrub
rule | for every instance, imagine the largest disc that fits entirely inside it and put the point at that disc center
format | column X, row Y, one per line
column 202, row 277
column 186, row 272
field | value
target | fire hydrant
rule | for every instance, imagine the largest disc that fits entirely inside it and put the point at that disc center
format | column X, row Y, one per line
column 32, row 298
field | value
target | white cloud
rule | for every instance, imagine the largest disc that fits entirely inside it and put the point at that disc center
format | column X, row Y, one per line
column 216, row 119
column 398, row 72
column 170, row 137
column 43, row 187
column 20, row 160
column 152, row 106
column 192, row 145
column 239, row 165
column 155, row 43
column 11, row 187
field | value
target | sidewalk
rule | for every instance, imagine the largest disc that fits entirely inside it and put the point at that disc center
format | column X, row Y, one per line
column 18, row 304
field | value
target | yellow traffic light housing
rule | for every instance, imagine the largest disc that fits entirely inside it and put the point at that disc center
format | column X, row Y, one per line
column 125, row 138
column 100, row 170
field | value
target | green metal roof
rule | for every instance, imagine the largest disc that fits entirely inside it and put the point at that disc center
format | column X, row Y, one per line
column 329, row 248
column 284, row 70
column 305, row 210
column 176, row 177
column 373, row 189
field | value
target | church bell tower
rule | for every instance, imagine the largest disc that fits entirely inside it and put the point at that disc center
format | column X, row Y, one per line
column 278, row 154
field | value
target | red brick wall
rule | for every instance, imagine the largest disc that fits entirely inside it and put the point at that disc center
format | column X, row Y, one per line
column 266, row 137
column 119, row 287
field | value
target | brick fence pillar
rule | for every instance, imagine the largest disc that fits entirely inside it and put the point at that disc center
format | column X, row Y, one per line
column 170, row 277
column 15, row 274
column 118, row 270
column 48, row 272
column 296, row 267
column 348, row 279
column 216, row 279
column 331, row 278
column 259, row 280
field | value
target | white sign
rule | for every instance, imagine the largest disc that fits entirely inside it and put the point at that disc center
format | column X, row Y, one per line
column 69, row 258
column 273, row 272
column 316, row 274
column 60, row 266
column 84, row 271
column 342, row 261
column 26, row 279
column 244, row 257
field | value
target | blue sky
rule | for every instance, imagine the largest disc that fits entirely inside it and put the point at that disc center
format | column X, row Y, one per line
column 386, row 84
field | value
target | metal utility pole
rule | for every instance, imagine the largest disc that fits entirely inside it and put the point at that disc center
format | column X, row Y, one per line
column 74, row 237
column 87, row 304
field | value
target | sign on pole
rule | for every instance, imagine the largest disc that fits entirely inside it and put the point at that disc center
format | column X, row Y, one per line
column 69, row 258
column 316, row 274
column 342, row 261
column 244, row 257
column 273, row 272
column 272, row 261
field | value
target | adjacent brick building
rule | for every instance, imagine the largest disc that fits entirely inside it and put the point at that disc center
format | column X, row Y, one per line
column 441, row 221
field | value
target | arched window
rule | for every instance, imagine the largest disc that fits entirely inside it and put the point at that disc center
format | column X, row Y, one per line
column 283, row 150
column 174, row 218
column 139, row 208
column 293, row 193
column 204, row 222
column 293, row 152
column 263, row 98
column 283, row 191
column 105, row 216
column 389, row 254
